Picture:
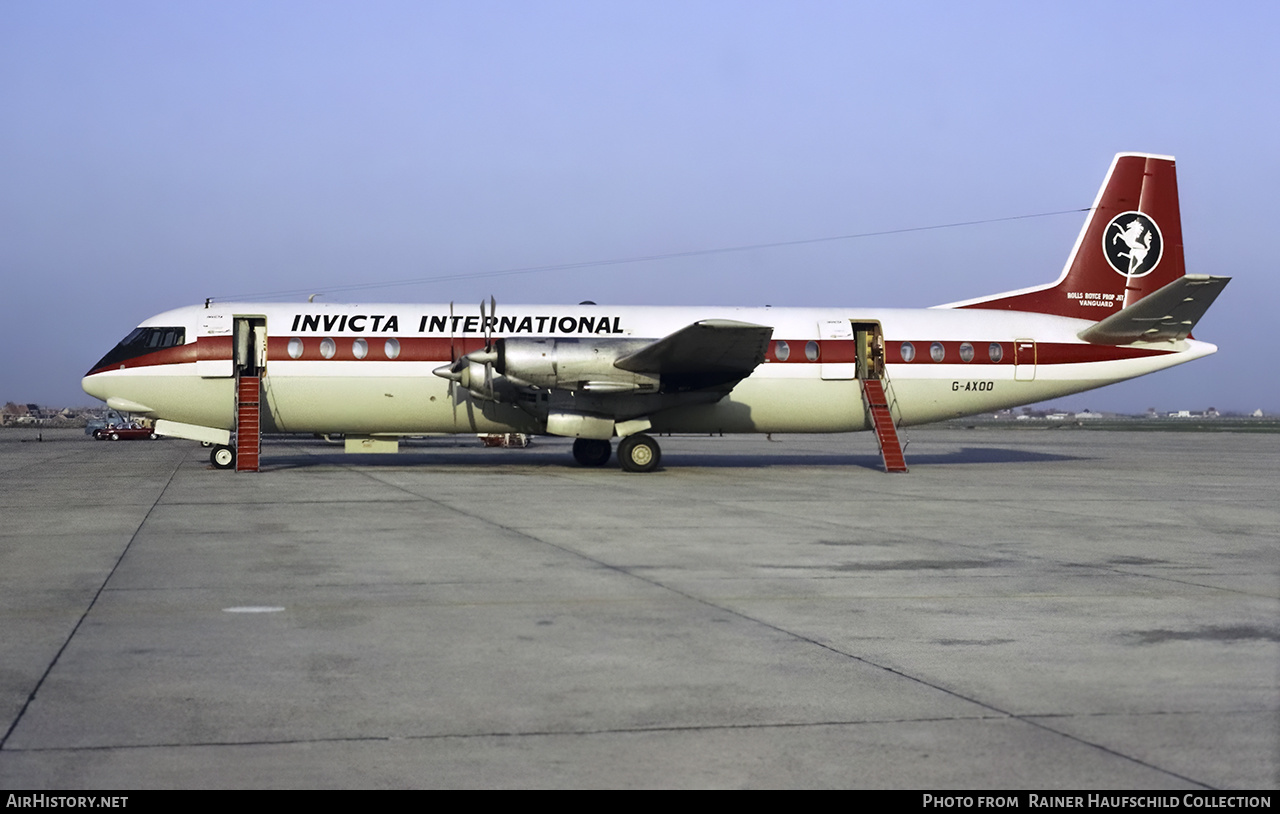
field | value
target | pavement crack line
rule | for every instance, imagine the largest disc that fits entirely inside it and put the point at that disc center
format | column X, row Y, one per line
column 793, row 634
column 31, row 697
column 530, row 733
column 541, row 733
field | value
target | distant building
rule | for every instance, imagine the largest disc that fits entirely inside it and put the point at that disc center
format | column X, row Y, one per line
column 22, row 413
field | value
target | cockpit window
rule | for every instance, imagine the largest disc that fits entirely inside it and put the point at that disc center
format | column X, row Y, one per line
column 141, row 341
column 154, row 338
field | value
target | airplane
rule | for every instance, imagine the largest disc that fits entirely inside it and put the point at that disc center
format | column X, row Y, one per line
column 1122, row 307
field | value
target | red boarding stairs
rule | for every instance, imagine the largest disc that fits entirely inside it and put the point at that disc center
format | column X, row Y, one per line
column 877, row 402
column 248, row 426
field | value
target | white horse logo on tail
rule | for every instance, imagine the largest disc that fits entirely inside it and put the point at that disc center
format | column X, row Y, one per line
column 1132, row 244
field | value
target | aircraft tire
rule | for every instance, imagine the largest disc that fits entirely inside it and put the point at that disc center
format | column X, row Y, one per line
column 222, row 457
column 639, row 453
column 592, row 451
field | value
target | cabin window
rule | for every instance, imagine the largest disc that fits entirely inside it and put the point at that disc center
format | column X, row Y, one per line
column 966, row 352
column 811, row 351
column 781, row 350
column 295, row 348
column 908, row 351
column 995, row 351
column 328, row 348
column 359, row 348
column 936, row 352
column 391, row 348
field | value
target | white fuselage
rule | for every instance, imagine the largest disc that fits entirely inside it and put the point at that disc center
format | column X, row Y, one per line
column 368, row 369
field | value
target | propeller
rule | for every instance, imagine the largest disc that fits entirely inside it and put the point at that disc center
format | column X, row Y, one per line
column 462, row 368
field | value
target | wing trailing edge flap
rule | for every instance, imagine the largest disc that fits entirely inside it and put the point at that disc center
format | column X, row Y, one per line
column 708, row 353
column 1167, row 314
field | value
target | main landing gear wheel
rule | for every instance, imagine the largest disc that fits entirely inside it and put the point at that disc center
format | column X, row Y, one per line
column 592, row 451
column 639, row 453
column 222, row 457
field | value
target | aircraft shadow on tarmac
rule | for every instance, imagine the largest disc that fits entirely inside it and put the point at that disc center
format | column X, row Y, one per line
column 558, row 456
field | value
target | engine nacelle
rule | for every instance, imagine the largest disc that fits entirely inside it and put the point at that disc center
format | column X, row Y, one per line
column 572, row 364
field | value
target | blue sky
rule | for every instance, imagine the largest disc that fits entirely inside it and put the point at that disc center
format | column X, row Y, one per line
column 154, row 154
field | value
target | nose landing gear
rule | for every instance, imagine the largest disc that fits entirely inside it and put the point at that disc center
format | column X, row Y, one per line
column 222, row 457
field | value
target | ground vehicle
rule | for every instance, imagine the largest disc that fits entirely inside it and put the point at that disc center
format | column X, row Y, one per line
column 125, row 432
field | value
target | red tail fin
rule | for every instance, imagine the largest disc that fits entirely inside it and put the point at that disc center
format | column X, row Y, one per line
column 1130, row 246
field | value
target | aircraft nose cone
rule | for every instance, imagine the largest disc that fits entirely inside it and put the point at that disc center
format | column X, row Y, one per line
column 94, row 386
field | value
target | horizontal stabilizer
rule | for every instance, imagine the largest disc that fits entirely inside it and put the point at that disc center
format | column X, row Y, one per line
column 705, row 354
column 1168, row 313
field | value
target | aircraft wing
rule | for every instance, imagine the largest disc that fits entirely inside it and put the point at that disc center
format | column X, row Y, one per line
column 706, row 354
column 1169, row 313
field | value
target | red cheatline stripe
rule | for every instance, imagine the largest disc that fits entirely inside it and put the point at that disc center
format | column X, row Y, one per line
column 830, row 351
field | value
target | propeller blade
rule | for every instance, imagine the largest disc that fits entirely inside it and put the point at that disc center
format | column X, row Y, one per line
column 453, row 359
column 453, row 349
column 488, row 324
